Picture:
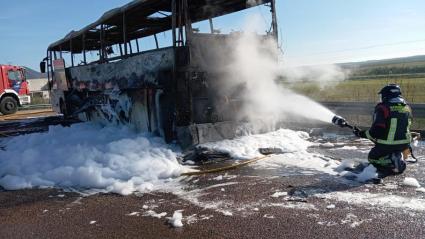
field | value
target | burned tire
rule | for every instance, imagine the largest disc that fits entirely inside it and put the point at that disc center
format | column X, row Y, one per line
column 8, row 105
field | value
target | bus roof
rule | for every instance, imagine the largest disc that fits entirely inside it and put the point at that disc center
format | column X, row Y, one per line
column 143, row 18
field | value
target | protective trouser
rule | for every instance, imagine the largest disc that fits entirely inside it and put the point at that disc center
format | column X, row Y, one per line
column 388, row 159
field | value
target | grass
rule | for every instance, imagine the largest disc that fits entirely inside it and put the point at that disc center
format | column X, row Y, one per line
column 360, row 90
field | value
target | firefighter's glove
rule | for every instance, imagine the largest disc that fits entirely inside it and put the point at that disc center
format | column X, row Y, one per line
column 357, row 132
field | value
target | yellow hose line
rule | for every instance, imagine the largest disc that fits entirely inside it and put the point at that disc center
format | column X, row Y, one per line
column 234, row 166
column 4, row 135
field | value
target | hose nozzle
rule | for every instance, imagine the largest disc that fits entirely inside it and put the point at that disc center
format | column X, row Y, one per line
column 338, row 120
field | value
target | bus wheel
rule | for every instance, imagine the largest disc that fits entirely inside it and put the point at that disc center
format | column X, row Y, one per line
column 8, row 105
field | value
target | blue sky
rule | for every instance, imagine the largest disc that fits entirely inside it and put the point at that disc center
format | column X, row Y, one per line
column 312, row 32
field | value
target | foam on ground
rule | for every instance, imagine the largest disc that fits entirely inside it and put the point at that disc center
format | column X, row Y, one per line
column 246, row 147
column 368, row 173
column 411, row 182
column 379, row 200
column 294, row 143
column 176, row 220
column 88, row 156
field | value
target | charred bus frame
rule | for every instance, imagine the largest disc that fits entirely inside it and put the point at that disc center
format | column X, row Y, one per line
column 167, row 90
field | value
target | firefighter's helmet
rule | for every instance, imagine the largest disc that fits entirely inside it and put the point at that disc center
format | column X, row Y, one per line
column 390, row 91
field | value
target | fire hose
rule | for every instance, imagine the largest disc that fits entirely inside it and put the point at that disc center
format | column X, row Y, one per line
column 221, row 169
column 267, row 153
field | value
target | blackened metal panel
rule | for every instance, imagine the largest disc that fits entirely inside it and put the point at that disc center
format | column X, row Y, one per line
column 213, row 100
column 211, row 52
column 144, row 70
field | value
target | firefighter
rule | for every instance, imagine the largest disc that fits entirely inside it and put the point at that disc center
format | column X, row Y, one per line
column 390, row 131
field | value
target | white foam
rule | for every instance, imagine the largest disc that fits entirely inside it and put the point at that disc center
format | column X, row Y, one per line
column 327, row 145
column 279, row 194
column 411, row 182
column 346, row 163
column 88, row 156
column 379, row 200
column 176, row 220
column 246, row 147
column 133, row 214
column 293, row 142
column 152, row 213
column 294, row 205
column 227, row 213
column 368, row 173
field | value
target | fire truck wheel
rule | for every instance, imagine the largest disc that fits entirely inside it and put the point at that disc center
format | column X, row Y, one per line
column 8, row 105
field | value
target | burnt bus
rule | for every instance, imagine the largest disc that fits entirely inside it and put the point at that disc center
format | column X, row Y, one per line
column 104, row 72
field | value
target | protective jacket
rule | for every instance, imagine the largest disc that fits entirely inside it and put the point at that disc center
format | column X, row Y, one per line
column 391, row 123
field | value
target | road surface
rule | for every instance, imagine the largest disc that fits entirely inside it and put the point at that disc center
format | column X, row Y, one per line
column 249, row 202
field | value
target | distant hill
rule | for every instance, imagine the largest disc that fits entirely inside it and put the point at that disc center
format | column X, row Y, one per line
column 33, row 74
column 401, row 60
column 395, row 66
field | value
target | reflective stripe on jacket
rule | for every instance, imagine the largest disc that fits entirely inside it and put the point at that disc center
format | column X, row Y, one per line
column 391, row 123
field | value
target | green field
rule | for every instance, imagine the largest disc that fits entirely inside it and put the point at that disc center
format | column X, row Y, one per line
column 360, row 90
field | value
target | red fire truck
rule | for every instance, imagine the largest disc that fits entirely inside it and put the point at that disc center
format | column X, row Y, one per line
column 14, row 90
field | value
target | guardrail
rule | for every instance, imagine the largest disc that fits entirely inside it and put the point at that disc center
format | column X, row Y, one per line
column 366, row 77
column 367, row 108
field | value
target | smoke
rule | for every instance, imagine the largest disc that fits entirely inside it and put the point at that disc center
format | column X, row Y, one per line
column 326, row 75
column 254, row 64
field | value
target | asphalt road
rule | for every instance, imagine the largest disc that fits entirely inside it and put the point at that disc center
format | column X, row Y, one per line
column 245, row 203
